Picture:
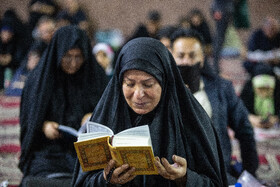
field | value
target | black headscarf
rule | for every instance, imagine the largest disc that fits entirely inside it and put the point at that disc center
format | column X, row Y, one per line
column 51, row 94
column 178, row 125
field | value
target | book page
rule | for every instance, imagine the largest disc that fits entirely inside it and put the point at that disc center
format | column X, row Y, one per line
column 143, row 131
column 92, row 135
column 95, row 130
column 96, row 127
column 68, row 130
column 131, row 141
column 136, row 136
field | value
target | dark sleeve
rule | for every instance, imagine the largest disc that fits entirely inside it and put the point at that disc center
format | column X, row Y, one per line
column 206, row 33
column 94, row 178
column 195, row 179
column 239, row 122
column 254, row 41
column 247, row 96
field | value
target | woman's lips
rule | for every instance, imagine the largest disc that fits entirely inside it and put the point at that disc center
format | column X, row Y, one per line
column 140, row 104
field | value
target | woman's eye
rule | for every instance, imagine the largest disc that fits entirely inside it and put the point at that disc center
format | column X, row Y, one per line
column 148, row 85
column 129, row 84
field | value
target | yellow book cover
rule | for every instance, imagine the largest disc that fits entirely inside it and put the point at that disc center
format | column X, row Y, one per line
column 132, row 146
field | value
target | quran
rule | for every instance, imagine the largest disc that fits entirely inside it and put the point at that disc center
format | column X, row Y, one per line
column 132, row 146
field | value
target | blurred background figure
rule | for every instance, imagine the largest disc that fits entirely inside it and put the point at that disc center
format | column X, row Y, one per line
column 199, row 23
column 104, row 56
column 39, row 8
column 44, row 30
column 74, row 13
column 29, row 63
column 62, row 20
column 264, row 46
column 12, row 46
column 261, row 97
column 222, row 11
column 164, row 35
column 150, row 27
column 183, row 22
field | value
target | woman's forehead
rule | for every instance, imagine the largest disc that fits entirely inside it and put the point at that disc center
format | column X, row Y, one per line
column 137, row 73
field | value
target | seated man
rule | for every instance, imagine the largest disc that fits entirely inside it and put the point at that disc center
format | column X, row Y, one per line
column 264, row 46
column 217, row 97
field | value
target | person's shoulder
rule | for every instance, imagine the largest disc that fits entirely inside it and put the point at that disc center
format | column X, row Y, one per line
column 257, row 33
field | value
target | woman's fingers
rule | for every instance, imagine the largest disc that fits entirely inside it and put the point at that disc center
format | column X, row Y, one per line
column 127, row 176
column 161, row 169
column 179, row 161
column 174, row 171
column 122, row 174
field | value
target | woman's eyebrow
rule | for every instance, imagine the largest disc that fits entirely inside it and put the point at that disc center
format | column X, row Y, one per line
column 149, row 79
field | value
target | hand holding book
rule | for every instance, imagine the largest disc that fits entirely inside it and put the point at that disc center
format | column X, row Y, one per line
column 119, row 175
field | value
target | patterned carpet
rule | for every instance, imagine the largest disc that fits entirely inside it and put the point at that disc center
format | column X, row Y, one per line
column 9, row 140
column 269, row 151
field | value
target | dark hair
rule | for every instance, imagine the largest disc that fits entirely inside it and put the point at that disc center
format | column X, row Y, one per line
column 186, row 33
column 154, row 15
column 166, row 31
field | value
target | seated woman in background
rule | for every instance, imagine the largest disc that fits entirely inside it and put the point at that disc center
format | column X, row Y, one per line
column 29, row 63
column 147, row 89
column 261, row 97
column 63, row 89
column 104, row 55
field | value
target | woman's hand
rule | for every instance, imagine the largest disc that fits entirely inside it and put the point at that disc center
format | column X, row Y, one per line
column 120, row 175
column 257, row 121
column 50, row 129
column 176, row 171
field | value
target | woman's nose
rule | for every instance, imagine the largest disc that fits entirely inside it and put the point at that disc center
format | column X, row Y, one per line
column 139, row 93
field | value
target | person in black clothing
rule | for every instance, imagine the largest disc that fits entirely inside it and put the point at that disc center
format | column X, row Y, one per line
column 150, row 28
column 147, row 89
column 63, row 89
column 261, row 97
column 164, row 35
column 12, row 45
column 39, row 8
column 222, row 12
column 199, row 23
column 73, row 13
column 262, row 41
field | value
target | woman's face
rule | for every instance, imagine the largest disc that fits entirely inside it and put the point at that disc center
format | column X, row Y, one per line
column 102, row 59
column 264, row 92
column 72, row 61
column 141, row 90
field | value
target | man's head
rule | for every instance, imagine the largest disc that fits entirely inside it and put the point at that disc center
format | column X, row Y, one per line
column 6, row 34
column 187, row 47
column 270, row 27
column 187, row 50
column 164, row 35
column 154, row 21
column 46, row 28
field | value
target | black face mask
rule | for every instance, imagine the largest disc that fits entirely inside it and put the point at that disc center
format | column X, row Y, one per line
column 191, row 76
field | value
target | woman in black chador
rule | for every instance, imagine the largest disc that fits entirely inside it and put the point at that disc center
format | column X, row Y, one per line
column 147, row 89
column 63, row 89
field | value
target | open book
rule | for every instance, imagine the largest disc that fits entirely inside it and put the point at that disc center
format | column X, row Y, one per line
column 132, row 146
